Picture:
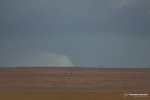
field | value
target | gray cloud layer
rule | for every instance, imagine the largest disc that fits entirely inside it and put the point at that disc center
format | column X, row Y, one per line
column 85, row 32
column 80, row 16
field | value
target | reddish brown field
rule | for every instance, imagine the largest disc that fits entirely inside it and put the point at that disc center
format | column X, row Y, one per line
column 55, row 83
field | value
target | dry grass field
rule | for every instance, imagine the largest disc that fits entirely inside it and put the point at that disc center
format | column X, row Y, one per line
column 73, row 83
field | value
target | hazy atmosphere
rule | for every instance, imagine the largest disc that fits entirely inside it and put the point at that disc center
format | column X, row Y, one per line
column 111, row 33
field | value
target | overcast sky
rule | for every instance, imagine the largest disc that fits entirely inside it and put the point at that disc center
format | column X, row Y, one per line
column 114, row 33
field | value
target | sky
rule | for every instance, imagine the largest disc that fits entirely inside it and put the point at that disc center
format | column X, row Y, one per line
column 88, row 33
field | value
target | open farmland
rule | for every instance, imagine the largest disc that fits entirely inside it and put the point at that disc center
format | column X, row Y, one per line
column 73, row 83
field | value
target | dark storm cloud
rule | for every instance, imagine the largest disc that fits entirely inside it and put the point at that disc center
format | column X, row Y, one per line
column 75, row 16
column 75, row 32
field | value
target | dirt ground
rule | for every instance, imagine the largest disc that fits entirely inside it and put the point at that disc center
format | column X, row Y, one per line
column 73, row 83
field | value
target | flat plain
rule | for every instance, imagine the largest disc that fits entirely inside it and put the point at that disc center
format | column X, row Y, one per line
column 73, row 83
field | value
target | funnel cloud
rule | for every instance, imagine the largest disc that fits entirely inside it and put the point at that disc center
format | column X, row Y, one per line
column 53, row 59
column 38, row 59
